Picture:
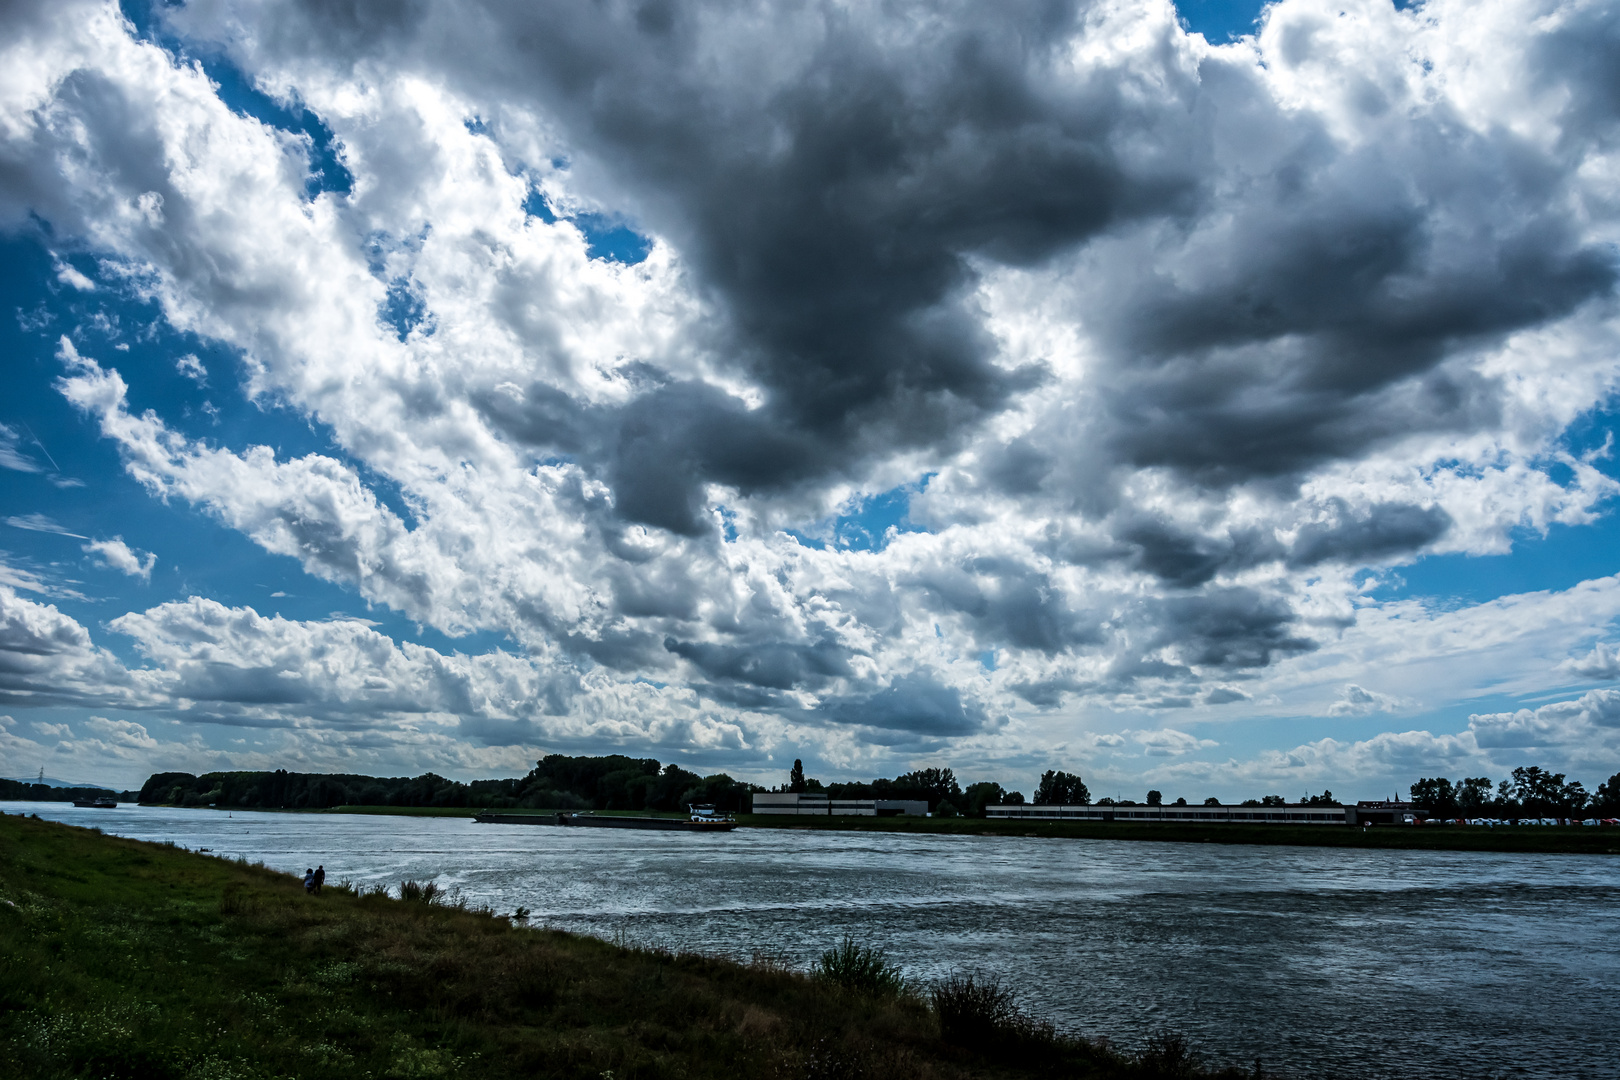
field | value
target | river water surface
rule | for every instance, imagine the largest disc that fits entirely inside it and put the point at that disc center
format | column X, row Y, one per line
column 1318, row 961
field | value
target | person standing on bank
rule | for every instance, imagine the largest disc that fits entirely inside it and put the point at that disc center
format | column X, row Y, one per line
column 320, row 879
column 309, row 881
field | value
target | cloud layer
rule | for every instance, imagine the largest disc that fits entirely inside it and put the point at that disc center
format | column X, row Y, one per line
column 1164, row 344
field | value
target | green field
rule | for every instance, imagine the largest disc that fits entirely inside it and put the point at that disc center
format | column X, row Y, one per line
column 125, row 959
column 1572, row 839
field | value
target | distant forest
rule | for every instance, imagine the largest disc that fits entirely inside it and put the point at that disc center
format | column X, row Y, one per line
column 11, row 790
column 1531, row 792
column 616, row 782
column 557, row 782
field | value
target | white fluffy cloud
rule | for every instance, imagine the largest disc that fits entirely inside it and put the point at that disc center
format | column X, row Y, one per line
column 1603, row 662
column 1359, row 701
column 1168, row 742
column 117, row 555
column 1591, row 722
column 47, row 658
column 1169, row 340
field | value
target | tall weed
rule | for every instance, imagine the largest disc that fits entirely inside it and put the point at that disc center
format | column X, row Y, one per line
column 420, row 892
column 856, row 967
column 977, row 1012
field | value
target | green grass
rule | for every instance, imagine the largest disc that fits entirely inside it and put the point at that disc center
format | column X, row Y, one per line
column 1566, row 839
column 126, row 959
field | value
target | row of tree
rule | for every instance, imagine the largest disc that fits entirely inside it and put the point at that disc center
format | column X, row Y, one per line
column 1531, row 792
column 18, row 789
column 616, row 782
column 937, row 787
column 557, row 782
column 946, row 798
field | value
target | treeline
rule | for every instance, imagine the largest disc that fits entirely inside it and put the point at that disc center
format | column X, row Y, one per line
column 1532, row 792
column 946, row 798
column 936, row 787
column 616, row 782
column 16, row 789
column 557, row 782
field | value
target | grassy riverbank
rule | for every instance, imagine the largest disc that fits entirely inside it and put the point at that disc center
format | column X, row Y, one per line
column 126, row 959
column 1565, row 839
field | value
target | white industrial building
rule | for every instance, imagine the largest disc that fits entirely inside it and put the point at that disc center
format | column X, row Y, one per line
column 1291, row 814
column 787, row 802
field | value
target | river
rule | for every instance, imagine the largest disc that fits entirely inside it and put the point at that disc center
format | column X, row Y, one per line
column 1315, row 960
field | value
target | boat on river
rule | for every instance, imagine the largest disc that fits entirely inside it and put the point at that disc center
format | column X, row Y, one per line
column 702, row 819
column 97, row 804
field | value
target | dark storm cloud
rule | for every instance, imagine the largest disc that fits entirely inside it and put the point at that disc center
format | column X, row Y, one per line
column 1580, row 56
column 1049, row 693
column 1184, row 559
column 830, row 216
column 1009, row 603
column 772, row 665
column 1228, row 628
column 658, row 451
column 1218, row 632
column 913, row 703
column 1312, row 327
column 1385, row 530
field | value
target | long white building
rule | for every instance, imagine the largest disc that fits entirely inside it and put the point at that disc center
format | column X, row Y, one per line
column 1291, row 814
column 787, row 802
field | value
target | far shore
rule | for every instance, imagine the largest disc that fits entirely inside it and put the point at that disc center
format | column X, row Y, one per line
column 1567, row 839
column 1570, row 839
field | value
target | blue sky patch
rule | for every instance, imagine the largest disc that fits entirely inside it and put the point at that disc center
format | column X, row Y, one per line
column 1565, row 557
column 867, row 528
column 609, row 238
column 1220, row 21
column 535, row 205
column 404, row 310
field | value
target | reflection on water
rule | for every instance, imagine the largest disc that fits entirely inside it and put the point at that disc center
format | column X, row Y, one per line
column 1359, row 963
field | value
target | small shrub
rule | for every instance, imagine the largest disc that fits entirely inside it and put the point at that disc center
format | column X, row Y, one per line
column 1168, row 1056
column 420, row 892
column 975, row 1011
column 856, row 967
column 767, row 961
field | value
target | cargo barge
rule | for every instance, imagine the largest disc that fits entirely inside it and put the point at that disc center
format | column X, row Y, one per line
column 699, row 821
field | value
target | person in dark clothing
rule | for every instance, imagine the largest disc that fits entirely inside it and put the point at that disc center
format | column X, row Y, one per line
column 320, row 879
column 309, row 881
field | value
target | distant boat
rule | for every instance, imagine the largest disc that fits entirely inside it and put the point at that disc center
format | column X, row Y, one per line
column 97, row 804
column 702, row 819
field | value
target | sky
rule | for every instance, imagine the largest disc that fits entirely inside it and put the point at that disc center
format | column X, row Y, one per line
column 1217, row 400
